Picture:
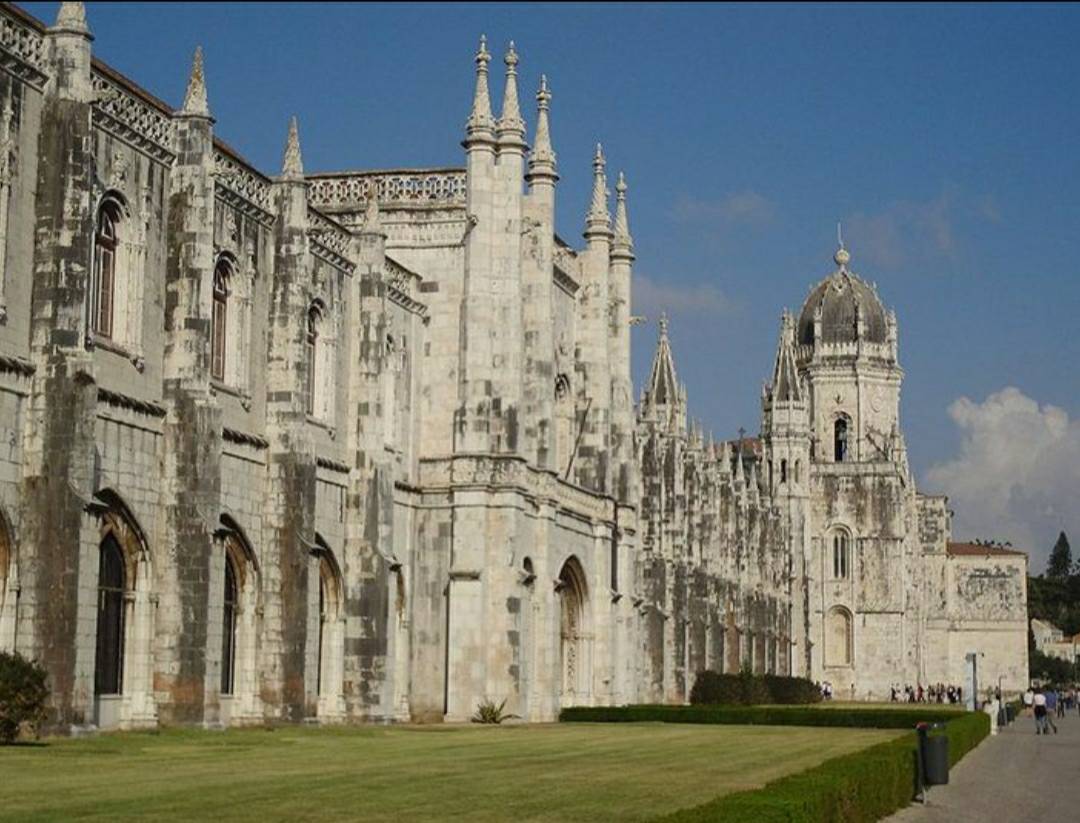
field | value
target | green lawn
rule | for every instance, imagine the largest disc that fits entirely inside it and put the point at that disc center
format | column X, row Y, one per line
column 581, row 771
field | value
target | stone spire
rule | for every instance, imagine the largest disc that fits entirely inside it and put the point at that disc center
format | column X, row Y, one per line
column 72, row 17
column 542, row 156
column 511, row 126
column 624, row 243
column 598, row 220
column 785, row 382
column 195, row 99
column 292, row 166
column 663, row 382
column 480, row 123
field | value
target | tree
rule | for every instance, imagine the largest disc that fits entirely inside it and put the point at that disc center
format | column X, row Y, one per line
column 1060, row 559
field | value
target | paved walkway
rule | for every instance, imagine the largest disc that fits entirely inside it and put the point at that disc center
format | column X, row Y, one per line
column 1015, row 776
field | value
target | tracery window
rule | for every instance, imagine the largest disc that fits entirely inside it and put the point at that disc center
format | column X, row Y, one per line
column 109, row 662
column 219, row 321
column 103, row 287
column 228, row 628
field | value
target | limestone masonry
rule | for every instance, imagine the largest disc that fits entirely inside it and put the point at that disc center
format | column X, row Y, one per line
column 364, row 445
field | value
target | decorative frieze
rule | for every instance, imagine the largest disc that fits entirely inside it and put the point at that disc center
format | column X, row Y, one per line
column 242, row 188
column 436, row 187
column 330, row 241
column 22, row 51
column 131, row 119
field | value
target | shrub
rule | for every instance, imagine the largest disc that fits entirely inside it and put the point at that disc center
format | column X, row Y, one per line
column 748, row 689
column 488, row 712
column 22, row 695
column 765, row 716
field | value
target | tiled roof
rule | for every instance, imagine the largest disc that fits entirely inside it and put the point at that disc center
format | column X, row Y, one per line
column 979, row 550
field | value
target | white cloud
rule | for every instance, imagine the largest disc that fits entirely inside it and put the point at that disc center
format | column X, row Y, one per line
column 651, row 297
column 1017, row 476
column 741, row 207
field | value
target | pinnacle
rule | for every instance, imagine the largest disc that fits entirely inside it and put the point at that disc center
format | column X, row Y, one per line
column 542, row 156
column 510, row 123
column 72, row 17
column 292, row 165
column 480, row 120
column 599, row 218
column 622, row 223
column 195, row 101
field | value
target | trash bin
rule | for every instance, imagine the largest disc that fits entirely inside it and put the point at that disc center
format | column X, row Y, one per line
column 933, row 756
column 1010, row 712
column 936, row 760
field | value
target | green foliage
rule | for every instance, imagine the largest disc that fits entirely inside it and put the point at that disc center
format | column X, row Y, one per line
column 864, row 786
column 1061, row 562
column 1051, row 670
column 748, row 689
column 762, row 715
column 23, row 694
column 488, row 712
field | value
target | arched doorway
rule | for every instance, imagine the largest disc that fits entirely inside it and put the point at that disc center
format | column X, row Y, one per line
column 573, row 646
column 330, row 671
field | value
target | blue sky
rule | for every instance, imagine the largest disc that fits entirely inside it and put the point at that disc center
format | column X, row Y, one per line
column 944, row 137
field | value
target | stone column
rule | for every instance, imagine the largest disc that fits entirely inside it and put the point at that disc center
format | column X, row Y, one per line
column 188, row 669
column 58, row 471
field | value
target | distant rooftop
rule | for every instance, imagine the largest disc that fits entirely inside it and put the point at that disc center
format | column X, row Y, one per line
column 981, row 550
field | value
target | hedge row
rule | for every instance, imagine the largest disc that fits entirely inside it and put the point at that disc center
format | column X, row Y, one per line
column 713, row 688
column 862, row 786
column 761, row 716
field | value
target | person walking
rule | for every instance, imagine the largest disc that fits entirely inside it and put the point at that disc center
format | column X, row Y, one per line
column 1060, row 696
column 1039, row 704
column 1051, row 710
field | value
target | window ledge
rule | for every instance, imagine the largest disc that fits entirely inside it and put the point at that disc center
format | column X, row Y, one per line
column 100, row 341
column 322, row 424
column 232, row 391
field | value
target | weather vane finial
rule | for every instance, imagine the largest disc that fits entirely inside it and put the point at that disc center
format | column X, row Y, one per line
column 839, row 235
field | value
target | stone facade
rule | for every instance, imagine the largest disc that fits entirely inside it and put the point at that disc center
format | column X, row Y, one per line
column 363, row 446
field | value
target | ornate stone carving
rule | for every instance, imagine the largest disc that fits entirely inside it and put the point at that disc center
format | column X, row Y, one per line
column 122, row 114
column 246, row 184
column 22, row 51
column 436, row 187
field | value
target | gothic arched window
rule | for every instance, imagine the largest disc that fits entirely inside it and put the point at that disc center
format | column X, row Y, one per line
column 103, row 287
column 228, row 627
column 219, row 321
column 841, row 555
column 311, row 340
column 840, row 439
column 109, row 663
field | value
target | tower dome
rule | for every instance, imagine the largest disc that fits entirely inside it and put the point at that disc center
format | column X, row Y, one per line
column 842, row 299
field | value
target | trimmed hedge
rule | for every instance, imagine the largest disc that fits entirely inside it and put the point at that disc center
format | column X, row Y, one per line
column 760, row 716
column 857, row 787
column 713, row 688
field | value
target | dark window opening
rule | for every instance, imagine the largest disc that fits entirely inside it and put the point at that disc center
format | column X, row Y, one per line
column 219, row 321
column 228, row 629
column 109, row 664
column 840, row 430
column 102, row 292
